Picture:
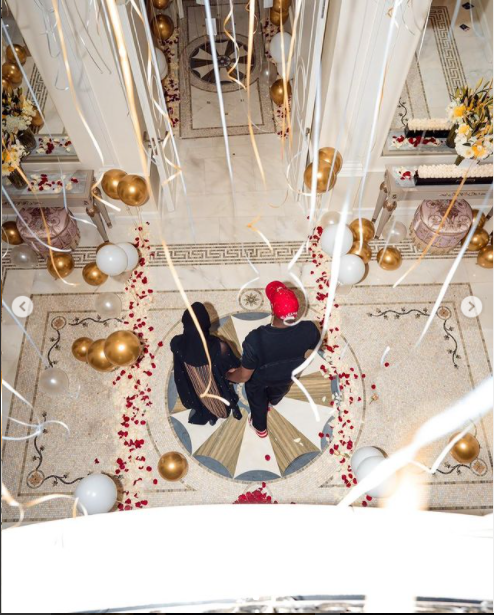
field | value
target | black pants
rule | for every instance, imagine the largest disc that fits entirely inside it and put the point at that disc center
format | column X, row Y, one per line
column 260, row 396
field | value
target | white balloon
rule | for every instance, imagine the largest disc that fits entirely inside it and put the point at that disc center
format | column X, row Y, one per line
column 97, row 493
column 23, row 256
column 328, row 239
column 275, row 46
column 329, row 218
column 54, row 381
column 352, row 269
column 289, row 74
column 367, row 466
column 162, row 63
column 363, row 453
column 108, row 305
column 394, row 232
column 132, row 255
column 112, row 259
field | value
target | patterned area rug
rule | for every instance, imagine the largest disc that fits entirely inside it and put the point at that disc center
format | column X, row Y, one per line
column 299, row 463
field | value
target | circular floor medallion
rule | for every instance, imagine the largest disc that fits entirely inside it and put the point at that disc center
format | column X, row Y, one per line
column 201, row 62
column 231, row 448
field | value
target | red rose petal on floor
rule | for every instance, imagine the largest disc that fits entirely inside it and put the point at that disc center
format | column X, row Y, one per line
column 267, row 457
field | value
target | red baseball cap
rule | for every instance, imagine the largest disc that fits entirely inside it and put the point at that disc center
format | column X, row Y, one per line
column 273, row 288
column 285, row 304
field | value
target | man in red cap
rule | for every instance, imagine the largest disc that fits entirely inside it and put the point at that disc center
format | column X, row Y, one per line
column 271, row 353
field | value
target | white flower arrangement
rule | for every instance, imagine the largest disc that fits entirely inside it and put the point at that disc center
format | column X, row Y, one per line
column 430, row 124
column 11, row 158
column 452, row 171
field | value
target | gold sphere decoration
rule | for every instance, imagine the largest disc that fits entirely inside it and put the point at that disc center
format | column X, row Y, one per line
column 466, row 450
column 133, row 190
column 102, row 245
column 110, row 181
column 277, row 16
column 37, row 120
column 20, row 51
column 277, row 91
column 161, row 5
column 327, row 154
column 11, row 72
column 325, row 179
column 96, row 357
column 173, row 466
column 7, row 86
column 283, row 5
column 10, row 233
column 363, row 227
column 484, row 257
column 60, row 265
column 365, row 252
column 93, row 275
column 476, row 214
column 122, row 348
column 162, row 27
column 80, row 348
column 479, row 240
column 389, row 258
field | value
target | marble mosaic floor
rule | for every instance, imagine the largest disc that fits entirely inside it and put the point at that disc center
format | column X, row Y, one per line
column 199, row 106
column 409, row 392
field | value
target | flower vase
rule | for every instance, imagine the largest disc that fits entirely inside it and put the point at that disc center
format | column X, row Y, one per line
column 450, row 140
column 459, row 160
column 27, row 139
column 17, row 180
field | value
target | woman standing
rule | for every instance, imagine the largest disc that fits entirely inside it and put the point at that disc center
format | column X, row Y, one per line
column 192, row 372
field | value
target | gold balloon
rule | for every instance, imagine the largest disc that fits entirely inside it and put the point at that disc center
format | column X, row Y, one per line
column 327, row 154
column 102, row 245
column 93, row 275
column 21, row 54
column 10, row 233
column 122, row 348
column 364, row 252
column 481, row 223
column 173, row 466
column 466, row 450
column 479, row 240
column 60, row 265
column 162, row 27
column 277, row 16
column 277, row 91
column 37, row 120
column 133, row 190
column 389, row 258
column 7, row 86
column 110, row 181
column 484, row 258
column 12, row 73
column 161, row 4
column 364, row 227
column 284, row 5
column 80, row 348
column 96, row 357
column 324, row 181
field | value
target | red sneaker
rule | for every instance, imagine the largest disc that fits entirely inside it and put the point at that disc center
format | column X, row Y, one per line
column 260, row 434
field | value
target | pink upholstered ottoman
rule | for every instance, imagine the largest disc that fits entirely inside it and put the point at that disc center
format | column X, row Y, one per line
column 64, row 232
column 428, row 217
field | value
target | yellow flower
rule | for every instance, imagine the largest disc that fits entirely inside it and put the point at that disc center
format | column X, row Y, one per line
column 459, row 111
column 479, row 151
column 464, row 129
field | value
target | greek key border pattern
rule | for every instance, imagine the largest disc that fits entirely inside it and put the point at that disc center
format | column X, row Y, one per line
column 234, row 254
